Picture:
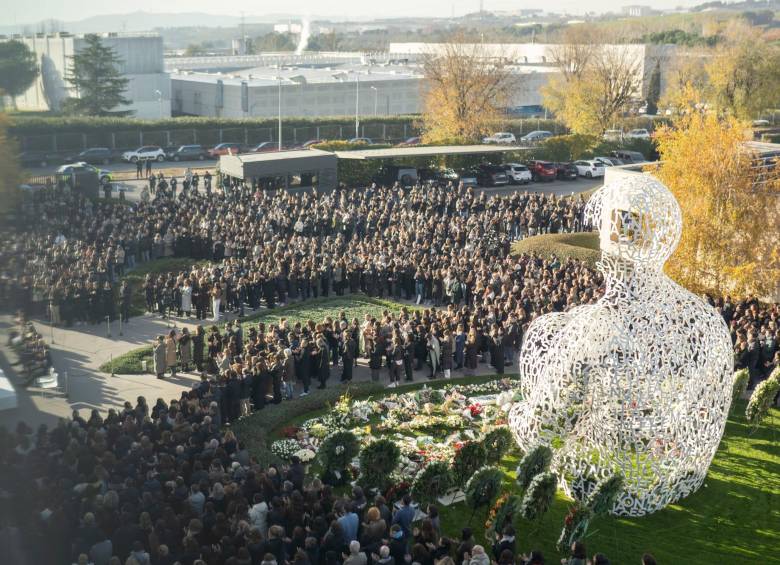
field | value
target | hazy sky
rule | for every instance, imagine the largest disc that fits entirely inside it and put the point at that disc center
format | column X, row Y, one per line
column 16, row 12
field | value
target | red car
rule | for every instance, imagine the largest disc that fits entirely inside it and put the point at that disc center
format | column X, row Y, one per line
column 226, row 149
column 543, row 171
column 265, row 147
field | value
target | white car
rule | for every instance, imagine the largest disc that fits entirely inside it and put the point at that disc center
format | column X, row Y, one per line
column 638, row 134
column 518, row 173
column 145, row 153
column 536, row 136
column 104, row 176
column 501, row 137
column 589, row 169
column 613, row 135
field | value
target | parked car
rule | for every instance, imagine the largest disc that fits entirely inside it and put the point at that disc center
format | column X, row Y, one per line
column 608, row 161
column 437, row 175
column 542, row 171
column 366, row 140
column 613, row 135
column 145, row 153
column 187, row 153
column 590, row 169
column 517, row 173
column 468, row 177
column 639, row 133
column 264, row 147
column 391, row 174
column 628, row 157
column 104, row 177
column 761, row 123
column 501, row 137
column 410, row 142
column 536, row 136
column 36, row 158
column 226, row 149
column 94, row 155
column 491, row 175
column 566, row 171
column 311, row 142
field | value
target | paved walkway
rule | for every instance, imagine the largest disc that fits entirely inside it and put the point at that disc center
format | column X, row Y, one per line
column 80, row 350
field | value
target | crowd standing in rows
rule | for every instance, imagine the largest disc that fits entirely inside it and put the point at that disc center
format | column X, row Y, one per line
column 171, row 483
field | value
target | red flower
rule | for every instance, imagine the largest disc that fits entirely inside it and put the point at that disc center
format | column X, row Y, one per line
column 476, row 409
column 458, row 445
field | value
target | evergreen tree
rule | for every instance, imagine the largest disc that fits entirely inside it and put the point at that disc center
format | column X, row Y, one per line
column 95, row 77
column 654, row 90
column 17, row 68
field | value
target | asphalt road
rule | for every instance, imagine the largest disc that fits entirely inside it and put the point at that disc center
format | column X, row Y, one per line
column 124, row 173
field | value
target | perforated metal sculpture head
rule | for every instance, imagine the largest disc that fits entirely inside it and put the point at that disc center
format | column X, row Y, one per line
column 638, row 219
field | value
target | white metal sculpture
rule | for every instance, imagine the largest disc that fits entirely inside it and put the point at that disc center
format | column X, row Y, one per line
column 639, row 382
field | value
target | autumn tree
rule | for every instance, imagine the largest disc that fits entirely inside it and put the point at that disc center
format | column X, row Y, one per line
column 593, row 88
column 686, row 73
column 18, row 68
column 745, row 75
column 468, row 88
column 10, row 171
column 95, row 76
column 731, row 228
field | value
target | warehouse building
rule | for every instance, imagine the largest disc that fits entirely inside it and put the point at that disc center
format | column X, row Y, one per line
column 141, row 57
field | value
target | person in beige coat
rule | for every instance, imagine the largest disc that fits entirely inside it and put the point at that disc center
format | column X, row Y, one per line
column 170, row 352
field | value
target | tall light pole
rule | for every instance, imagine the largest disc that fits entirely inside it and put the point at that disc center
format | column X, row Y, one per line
column 376, row 100
column 357, row 104
column 160, row 101
column 280, row 113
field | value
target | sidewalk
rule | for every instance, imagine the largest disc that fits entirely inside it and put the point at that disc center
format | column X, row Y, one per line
column 80, row 350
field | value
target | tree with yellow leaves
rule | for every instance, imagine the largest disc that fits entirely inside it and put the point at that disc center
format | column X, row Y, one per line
column 731, row 225
column 468, row 88
column 10, row 172
column 594, row 87
column 745, row 75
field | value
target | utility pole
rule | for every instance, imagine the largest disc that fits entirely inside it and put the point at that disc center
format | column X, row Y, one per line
column 280, row 113
column 376, row 99
column 357, row 104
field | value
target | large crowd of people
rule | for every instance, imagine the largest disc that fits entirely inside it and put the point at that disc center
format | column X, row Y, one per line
column 171, row 483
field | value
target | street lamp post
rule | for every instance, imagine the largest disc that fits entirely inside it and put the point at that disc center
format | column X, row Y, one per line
column 376, row 100
column 280, row 113
column 357, row 104
column 160, row 101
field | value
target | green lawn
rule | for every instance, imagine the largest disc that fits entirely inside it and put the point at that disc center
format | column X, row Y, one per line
column 583, row 246
column 732, row 519
column 353, row 306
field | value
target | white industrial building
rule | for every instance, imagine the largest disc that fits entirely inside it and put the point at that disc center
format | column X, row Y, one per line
column 149, row 87
column 306, row 90
column 540, row 57
column 328, row 91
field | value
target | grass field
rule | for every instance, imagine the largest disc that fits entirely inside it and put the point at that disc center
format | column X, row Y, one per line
column 583, row 246
column 732, row 519
column 353, row 306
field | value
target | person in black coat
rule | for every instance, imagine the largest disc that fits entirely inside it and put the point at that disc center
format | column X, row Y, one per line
column 348, row 355
column 197, row 348
column 233, row 396
column 275, row 367
column 303, row 367
column 408, row 357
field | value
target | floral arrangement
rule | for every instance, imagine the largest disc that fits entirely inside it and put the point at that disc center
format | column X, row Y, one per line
column 483, row 487
column 305, row 455
column 501, row 514
column 285, row 448
column 740, row 383
column 539, row 496
column 470, row 457
column 762, row 398
column 397, row 491
column 605, row 494
column 337, row 450
column 498, row 442
column 378, row 460
column 434, row 480
column 534, row 462
column 575, row 525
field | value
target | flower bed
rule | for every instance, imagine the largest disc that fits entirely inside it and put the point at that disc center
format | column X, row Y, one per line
column 426, row 425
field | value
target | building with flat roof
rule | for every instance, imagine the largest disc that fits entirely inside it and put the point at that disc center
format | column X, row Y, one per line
column 141, row 63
